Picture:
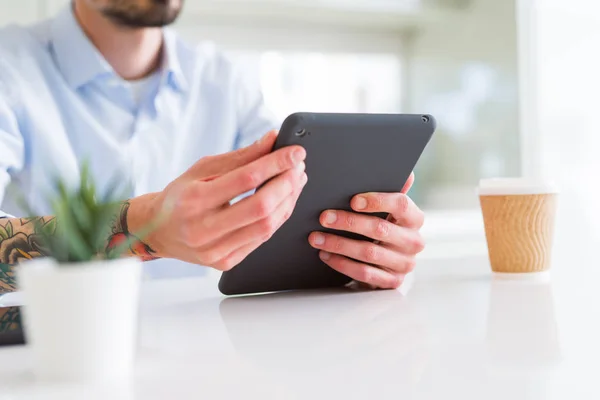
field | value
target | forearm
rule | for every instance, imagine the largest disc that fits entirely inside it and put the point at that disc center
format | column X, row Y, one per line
column 18, row 241
column 9, row 317
column 21, row 241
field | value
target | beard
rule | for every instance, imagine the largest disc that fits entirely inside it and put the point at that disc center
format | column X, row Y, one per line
column 142, row 13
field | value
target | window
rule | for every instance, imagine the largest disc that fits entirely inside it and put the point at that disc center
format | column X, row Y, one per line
column 327, row 82
column 454, row 59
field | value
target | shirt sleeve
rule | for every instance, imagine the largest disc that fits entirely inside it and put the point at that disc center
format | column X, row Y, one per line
column 254, row 117
column 11, row 144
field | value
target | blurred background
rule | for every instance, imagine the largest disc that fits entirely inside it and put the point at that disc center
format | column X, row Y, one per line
column 511, row 82
column 455, row 59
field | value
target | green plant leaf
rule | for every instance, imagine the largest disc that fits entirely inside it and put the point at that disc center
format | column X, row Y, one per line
column 83, row 220
column 49, row 227
column 63, row 193
column 84, row 174
column 3, row 233
column 78, row 250
column 104, row 222
column 82, row 215
column 9, row 229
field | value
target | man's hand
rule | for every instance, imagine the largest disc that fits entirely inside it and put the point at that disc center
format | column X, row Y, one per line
column 382, row 264
column 202, row 227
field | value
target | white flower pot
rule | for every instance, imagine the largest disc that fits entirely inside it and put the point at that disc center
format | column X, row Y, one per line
column 81, row 320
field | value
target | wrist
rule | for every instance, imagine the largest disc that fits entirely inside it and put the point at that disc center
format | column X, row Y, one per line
column 142, row 212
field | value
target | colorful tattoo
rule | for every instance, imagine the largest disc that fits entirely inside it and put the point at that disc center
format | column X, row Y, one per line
column 9, row 319
column 121, row 235
column 7, row 279
column 21, row 240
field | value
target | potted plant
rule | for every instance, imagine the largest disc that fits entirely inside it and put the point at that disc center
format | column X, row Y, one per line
column 81, row 301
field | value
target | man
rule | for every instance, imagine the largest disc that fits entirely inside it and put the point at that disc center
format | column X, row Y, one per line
column 104, row 82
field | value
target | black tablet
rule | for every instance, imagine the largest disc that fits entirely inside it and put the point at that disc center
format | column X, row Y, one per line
column 347, row 154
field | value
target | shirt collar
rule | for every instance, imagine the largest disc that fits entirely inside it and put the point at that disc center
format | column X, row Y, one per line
column 81, row 63
column 172, row 61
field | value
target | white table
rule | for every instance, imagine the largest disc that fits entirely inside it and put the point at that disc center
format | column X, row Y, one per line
column 457, row 333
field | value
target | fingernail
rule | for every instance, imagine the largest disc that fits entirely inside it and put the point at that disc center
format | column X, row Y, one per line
column 325, row 255
column 330, row 217
column 319, row 239
column 304, row 179
column 361, row 203
column 300, row 167
column 298, row 156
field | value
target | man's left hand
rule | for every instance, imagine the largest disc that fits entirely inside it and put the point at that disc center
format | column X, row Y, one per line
column 384, row 263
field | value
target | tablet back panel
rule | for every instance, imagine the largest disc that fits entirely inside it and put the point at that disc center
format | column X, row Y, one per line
column 347, row 154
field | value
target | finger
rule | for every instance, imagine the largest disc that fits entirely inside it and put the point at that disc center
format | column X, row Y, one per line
column 409, row 183
column 404, row 211
column 247, row 239
column 364, row 251
column 408, row 240
column 235, row 258
column 367, row 274
column 258, row 206
column 253, row 175
column 394, row 248
column 211, row 167
column 200, row 232
column 239, row 255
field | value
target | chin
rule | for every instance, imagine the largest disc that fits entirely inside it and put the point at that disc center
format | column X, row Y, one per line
column 143, row 13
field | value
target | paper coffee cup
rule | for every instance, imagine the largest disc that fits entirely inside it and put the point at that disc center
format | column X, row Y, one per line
column 519, row 217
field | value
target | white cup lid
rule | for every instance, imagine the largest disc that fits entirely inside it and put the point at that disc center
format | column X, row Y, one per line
column 515, row 186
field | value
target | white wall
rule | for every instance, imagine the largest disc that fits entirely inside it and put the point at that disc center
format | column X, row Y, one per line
column 21, row 11
column 478, row 124
column 465, row 71
column 567, row 40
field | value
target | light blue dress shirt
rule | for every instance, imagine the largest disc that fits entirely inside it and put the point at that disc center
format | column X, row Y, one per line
column 61, row 103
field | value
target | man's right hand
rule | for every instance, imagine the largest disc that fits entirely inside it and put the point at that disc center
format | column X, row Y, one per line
column 202, row 227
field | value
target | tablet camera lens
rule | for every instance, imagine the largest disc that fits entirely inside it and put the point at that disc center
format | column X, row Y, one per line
column 301, row 133
column 425, row 118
